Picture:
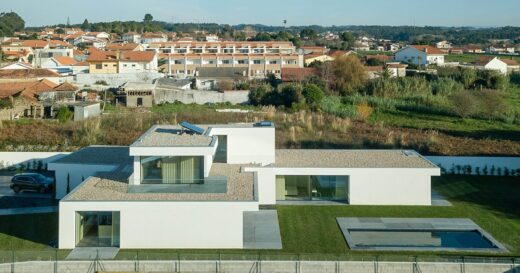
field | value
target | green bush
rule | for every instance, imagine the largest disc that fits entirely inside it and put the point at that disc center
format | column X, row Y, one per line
column 313, row 95
column 256, row 95
column 446, row 87
column 334, row 106
column 64, row 114
column 5, row 104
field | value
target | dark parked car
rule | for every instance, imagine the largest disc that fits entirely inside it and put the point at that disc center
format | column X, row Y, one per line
column 32, row 182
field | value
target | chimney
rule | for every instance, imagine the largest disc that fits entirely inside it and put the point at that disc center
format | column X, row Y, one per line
column 426, row 50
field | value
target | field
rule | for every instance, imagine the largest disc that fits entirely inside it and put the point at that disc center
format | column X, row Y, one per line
column 489, row 201
column 469, row 58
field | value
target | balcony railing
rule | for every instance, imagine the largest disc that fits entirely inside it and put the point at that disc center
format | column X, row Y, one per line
column 214, row 184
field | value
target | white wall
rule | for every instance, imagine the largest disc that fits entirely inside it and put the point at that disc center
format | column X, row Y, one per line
column 248, row 145
column 77, row 173
column 447, row 162
column 13, row 158
column 368, row 186
column 165, row 225
column 410, row 53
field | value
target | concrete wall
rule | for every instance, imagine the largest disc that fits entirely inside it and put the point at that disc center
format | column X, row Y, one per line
column 87, row 111
column 164, row 225
column 77, row 173
column 248, row 145
column 366, row 186
column 115, row 80
column 200, row 97
column 449, row 162
column 13, row 158
column 258, row 267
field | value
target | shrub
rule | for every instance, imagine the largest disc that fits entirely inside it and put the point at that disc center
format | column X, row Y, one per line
column 242, row 86
column 101, row 82
column 64, row 114
column 291, row 94
column 491, row 103
column 224, row 85
column 313, row 95
column 6, row 104
column 333, row 105
column 446, row 87
column 464, row 103
column 349, row 74
column 256, row 95
column 364, row 110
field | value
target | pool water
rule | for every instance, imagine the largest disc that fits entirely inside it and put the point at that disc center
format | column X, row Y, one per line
column 471, row 239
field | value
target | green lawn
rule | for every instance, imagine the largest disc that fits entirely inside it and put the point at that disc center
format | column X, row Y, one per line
column 492, row 202
column 468, row 58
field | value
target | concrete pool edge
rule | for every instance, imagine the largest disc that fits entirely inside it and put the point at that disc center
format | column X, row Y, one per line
column 415, row 224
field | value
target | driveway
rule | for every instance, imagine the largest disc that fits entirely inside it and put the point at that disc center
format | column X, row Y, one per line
column 23, row 202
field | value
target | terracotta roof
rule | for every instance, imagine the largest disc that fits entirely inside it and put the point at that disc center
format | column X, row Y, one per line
column 394, row 65
column 35, row 43
column 122, row 47
column 510, row 62
column 58, row 43
column 313, row 55
column 338, row 53
column 430, row 50
column 138, row 56
column 27, row 73
column 28, row 90
column 298, row 74
column 64, row 60
column 65, row 87
column 483, row 60
column 78, row 52
column 101, row 56
column 81, row 64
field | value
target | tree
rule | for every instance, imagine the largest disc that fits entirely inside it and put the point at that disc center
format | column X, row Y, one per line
column 9, row 23
column 291, row 94
column 348, row 74
column 308, row 34
column 313, row 95
column 148, row 18
column 257, row 94
column 86, row 25
column 348, row 40
column 64, row 114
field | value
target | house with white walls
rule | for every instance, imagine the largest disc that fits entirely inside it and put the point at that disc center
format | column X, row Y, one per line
column 420, row 55
column 493, row 63
column 194, row 186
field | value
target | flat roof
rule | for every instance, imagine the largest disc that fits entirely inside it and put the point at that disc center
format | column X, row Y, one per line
column 350, row 159
column 176, row 136
column 114, row 187
column 99, row 155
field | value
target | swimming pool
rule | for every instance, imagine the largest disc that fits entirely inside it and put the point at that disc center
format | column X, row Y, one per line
column 417, row 234
column 470, row 239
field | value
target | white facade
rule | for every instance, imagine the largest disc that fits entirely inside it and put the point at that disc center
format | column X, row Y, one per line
column 418, row 57
column 164, row 225
column 127, row 66
column 495, row 64
column 43, row 56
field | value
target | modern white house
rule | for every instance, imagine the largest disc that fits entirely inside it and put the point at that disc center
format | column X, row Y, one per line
column 187, row 186
column 492, row 64
column 420, row 55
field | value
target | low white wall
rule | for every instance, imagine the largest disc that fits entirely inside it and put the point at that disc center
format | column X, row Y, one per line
column 450, row 163
column 367, row 186
column 200, row 96
column 77, row 174
column 164, row 225
column 115, row 80
column 14, row 158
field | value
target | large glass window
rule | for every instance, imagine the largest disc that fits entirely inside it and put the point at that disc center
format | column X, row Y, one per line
column 172, row 170
column 221, row 153
column 307, row 188
column 97, row 229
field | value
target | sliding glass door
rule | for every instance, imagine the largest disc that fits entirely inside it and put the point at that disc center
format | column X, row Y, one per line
column 172, row 170
column 97, row 229
column 311, row 188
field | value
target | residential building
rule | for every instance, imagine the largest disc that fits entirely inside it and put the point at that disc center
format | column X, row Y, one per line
column 137, row 94
column 42, row 56
column 63, row 65
column 37, row 74
column 114, row 62
column 193, row 187
column 473, row 49
column 150, row 38
column 457, row 50
column 512, row 65
column 261, row 58
column 393, row 47
column 374, row 72
column 124, row 47
column 397, row 70
column 420, row 55
column 212, row 78
column 23, row 95
column 445, row 46
column 501, row 49
column 17, row 65
column 131, row 37
column 492, row 63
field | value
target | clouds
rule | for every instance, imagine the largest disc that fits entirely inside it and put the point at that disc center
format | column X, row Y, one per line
column 272, row 12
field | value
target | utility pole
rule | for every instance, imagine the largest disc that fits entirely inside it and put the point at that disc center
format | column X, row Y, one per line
column 68, row 21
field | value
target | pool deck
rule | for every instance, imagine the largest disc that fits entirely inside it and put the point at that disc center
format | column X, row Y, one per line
column 415, row 224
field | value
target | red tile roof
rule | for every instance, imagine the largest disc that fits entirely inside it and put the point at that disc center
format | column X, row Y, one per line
column 510, row 62
column 298, row 74
column 122, row 47
column 64, row 60
column 430, row 50
column 28, row 89
column 27, row 73
column 35, row 43
column 138, row 56
column 65, row 87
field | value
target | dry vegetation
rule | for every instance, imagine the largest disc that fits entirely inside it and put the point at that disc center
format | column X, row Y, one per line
column 294, row 130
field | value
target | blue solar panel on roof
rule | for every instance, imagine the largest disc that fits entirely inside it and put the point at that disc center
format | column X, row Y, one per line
column 191, row 127
column 264, row 124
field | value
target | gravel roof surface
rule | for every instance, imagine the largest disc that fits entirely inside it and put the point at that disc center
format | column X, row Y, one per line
column 114, row 187
column 349, row 159
column 171, row 136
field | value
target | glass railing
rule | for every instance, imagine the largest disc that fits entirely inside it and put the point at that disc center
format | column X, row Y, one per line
column 214, row 184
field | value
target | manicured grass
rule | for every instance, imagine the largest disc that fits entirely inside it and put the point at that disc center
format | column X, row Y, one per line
column 468, row 58
column 491, row 202
column 28, row 232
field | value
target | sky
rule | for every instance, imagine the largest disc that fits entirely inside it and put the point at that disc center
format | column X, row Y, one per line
column 272, row 12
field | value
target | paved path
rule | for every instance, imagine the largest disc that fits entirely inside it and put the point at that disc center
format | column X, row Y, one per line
column 261, row 230
column 33, row 210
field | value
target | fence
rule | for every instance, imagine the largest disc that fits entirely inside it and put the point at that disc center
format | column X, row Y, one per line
column 55, row 261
